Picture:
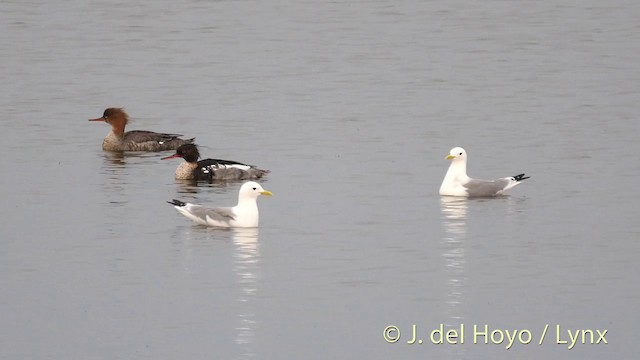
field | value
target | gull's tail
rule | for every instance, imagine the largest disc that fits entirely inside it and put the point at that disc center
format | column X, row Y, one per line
column 520, row 177
column 177, row 203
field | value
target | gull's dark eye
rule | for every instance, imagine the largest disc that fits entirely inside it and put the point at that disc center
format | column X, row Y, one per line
column 460, row 153
column 254, row 188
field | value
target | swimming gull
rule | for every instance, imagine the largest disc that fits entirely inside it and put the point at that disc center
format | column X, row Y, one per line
column 457, row 183
column 243, row 215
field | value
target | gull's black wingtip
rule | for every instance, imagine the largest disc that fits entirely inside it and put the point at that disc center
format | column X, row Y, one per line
column 176, row 203
column 520, row 177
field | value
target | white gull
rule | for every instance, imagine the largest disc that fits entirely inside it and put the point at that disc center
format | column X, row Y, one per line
column 243, row 215
column 457, row 183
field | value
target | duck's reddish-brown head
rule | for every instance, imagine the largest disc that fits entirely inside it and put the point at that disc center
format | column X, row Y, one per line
column 116, row 117
column 113, row 115
column 189, row 152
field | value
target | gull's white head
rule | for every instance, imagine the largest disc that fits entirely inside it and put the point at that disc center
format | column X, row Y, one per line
column 251, row 190
column 456, row 177
column 457, row 154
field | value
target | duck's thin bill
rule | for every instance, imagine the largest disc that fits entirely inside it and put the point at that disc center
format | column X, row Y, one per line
column 171, row 157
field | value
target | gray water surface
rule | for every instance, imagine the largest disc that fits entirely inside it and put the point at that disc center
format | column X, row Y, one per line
column 352, row 106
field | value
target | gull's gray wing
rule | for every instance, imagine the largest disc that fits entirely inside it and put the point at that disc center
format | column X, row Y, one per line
column 215, row 214
column 205, row 215
column 482, row 188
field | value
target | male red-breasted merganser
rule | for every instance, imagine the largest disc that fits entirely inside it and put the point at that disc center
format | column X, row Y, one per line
column 136, row 140
column 211, row 169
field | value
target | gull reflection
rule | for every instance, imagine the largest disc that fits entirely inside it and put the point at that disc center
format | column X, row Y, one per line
column 454, row 214
column 454, row 220
column 246, row 266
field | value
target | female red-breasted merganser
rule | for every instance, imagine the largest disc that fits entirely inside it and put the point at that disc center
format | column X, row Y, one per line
column 136, row 140
column 211, row 169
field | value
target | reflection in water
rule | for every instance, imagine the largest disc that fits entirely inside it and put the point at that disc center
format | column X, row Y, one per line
column 454, row 212
column 193, row 186
column 114, row 170
column 187, row 186
column 114, row 166
column 114, row 158
column 122, row 157
column 246, row 261
column 115, row 162
column 454, row 219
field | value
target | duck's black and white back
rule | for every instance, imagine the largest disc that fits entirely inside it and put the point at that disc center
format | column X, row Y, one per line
column 212, row 169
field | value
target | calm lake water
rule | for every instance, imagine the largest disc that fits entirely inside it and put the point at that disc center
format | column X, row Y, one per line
column 352, row 106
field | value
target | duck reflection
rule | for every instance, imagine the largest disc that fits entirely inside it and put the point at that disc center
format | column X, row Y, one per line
column 115, row 162
column 114, row 158
column 246, row 266
column 454, row 220
column 114, row 182
column 217, row 186
column 187, row 186
column 119, row 158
